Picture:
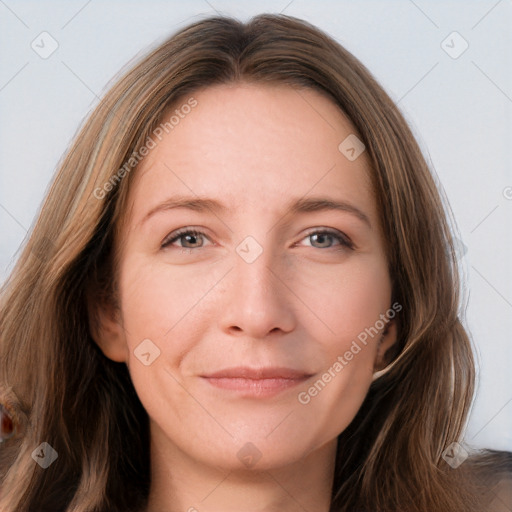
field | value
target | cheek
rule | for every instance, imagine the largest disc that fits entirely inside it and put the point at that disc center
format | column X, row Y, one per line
column 161, row 308
column 345, row 319
column 164, row 315
column 345, row 300
column 159, row 301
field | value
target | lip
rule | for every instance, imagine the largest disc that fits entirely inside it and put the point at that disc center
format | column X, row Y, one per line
column 257, row 382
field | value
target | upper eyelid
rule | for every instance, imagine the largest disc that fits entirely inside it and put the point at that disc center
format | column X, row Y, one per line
column 329, row 231
column 177, row 234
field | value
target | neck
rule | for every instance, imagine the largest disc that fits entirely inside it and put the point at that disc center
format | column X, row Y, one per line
column 182, row 484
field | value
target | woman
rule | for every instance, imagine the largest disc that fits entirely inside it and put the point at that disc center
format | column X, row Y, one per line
column 240, row 294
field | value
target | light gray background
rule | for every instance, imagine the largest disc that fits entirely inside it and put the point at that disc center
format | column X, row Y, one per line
column 459, row 108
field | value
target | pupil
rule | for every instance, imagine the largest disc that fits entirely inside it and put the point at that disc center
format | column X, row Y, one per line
column 322, row 239
column 191, row 239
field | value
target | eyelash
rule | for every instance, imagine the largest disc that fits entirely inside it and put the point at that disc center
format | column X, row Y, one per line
column 343, row 240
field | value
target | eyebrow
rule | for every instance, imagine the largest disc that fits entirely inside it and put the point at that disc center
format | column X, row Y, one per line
column 302, row 205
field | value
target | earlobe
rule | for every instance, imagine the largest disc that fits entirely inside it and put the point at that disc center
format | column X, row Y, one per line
column 387, row 340
column 107, row 330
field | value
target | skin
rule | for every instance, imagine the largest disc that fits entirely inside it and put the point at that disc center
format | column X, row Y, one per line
column 299, row 304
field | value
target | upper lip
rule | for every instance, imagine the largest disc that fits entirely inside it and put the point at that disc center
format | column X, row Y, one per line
column 245, row 372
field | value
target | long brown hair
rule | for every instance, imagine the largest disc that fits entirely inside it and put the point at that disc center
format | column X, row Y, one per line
column 61, row 389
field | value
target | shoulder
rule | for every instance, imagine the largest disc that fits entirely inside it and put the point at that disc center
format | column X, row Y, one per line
column 502, row 496
column 493, row 472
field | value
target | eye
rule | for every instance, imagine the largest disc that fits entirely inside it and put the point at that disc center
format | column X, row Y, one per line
column 190, row 239
column 327, row 239
column 319, row 239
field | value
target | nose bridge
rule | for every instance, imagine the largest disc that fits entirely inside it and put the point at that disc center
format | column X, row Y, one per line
column 253, row 269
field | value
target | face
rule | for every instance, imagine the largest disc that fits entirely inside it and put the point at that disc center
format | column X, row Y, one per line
column 252, row 271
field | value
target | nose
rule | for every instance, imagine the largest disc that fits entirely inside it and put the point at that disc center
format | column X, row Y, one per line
column 257, row 299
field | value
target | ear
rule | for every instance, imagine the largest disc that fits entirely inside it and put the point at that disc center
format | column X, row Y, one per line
column 386, row 342
column 106, row 328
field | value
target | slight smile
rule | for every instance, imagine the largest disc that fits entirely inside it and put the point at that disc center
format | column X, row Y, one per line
column 257, row 382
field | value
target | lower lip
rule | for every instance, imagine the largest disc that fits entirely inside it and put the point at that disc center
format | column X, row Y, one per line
column 255, row 387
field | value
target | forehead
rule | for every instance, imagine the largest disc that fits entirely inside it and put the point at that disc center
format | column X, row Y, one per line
column 253, row 147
